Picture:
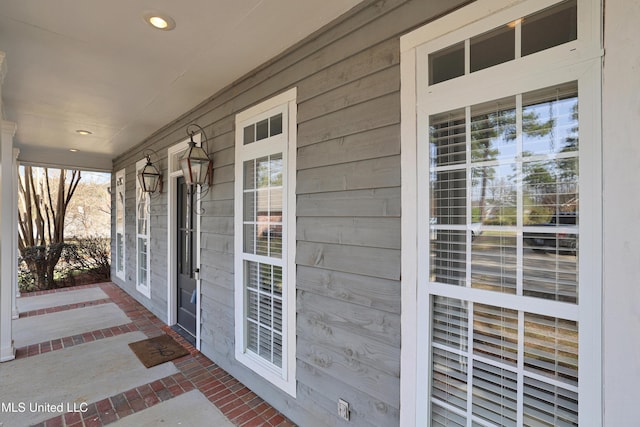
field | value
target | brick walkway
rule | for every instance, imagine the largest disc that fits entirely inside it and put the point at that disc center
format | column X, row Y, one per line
column 239, row 404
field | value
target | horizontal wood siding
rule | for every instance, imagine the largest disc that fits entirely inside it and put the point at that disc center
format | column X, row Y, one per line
column 348, row 214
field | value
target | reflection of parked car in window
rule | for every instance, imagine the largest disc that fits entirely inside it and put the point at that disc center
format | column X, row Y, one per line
column 551, row 242
column 476, row 229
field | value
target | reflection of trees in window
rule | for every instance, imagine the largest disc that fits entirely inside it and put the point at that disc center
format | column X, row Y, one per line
column 568, row 167
column 492, row 137
column 551, row 186
column 486, row 129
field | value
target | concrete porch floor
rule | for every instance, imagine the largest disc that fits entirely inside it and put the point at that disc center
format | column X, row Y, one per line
column 74, row 367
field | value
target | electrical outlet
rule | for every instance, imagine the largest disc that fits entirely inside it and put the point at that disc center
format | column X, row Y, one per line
column 343, row 409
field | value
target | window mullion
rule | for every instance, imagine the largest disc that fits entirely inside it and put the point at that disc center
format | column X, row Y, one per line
column 470, row 363
column 519, row 197
column 520, row 372
column 469, row 206
column 467, row 57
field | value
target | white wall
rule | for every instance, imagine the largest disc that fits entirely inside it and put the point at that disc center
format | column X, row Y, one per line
column 621, row 209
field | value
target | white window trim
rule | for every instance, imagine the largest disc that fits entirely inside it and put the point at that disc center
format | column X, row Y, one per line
column 174, row 172
column 583, row 63
column 285, row 379
column 143, row 288
column 120, row 228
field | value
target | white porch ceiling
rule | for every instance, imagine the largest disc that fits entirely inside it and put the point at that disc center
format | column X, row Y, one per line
column 97, row 65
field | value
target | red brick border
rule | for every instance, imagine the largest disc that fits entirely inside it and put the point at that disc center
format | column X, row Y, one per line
column 239, row 404
column 65, row 307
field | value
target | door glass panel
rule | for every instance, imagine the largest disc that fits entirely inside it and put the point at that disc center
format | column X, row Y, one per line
column 493, row 48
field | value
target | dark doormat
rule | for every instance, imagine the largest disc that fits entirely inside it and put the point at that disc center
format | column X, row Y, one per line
column 154, row 351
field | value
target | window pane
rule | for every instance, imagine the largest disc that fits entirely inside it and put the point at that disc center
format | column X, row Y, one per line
column 449, row 378
column 275, row 173
column 450, row 322
column 119, row 250
column 446, row 64
column 494, row 262
column 494, row 394
column 276, row 125
column 251, row 274
column 441, row 417
column 495, row 333
column 252, row 337
column 262, row 172
column 277, row 281
column 275, row 240
column 249, row 175
column 551, row 348
column 262, row 129
column 551, row 192
column 493, row 196
column 492, row 48
column 264, row 312
column 550, row 121
column 249, row 134
column 549, row 406
column 449, row 257
column 277, row 349
column 249, row 239
column 550, row 270
column 249, row 206
column 447, row 138
column 551, row 27
column 449, row 197
column 493, row 130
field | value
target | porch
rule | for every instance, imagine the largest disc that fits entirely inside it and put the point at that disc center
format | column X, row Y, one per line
column 78, row 337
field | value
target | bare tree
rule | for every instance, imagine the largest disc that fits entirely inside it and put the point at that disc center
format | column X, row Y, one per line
column 41, row 212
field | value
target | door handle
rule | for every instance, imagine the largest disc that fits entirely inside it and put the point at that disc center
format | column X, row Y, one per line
column 196, row 274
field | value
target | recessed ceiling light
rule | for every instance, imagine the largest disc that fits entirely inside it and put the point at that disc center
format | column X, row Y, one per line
column 73, row 150
column 159, row 21
column 84, row 132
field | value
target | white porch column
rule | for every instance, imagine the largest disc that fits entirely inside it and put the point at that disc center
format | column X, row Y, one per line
column 15, row 313
column 8, row 227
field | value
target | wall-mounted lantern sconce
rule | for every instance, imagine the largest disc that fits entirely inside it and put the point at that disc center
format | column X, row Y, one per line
column 150, row 177
column 197, row 167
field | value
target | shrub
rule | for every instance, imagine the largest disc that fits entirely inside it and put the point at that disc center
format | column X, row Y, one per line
column 89, row 258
